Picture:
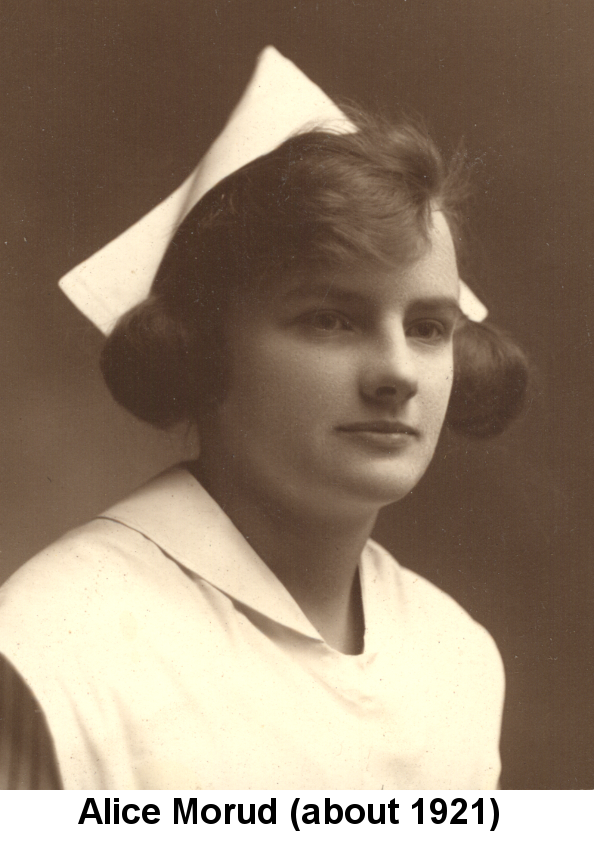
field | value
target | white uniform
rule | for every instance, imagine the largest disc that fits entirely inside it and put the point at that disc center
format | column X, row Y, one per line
column 166, row 655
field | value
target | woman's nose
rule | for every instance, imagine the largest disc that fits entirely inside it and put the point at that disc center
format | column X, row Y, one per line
column 391, row 371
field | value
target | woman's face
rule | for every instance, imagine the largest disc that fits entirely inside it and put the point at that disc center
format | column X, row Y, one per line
column 339, row 383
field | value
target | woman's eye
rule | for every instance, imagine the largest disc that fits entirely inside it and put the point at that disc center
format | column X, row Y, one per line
column 427, row 331
column 328, row 322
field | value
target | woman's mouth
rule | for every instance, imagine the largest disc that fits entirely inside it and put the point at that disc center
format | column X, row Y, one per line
column 382, row 434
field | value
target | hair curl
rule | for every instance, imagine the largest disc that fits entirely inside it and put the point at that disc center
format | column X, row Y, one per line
column 321, row 200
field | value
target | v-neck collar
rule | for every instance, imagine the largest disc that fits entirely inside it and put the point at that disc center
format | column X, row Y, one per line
column 176, row 513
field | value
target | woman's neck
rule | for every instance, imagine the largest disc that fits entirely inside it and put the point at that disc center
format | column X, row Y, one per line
column 315, row 554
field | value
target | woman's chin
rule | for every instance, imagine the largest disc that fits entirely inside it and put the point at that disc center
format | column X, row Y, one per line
column 377, row 485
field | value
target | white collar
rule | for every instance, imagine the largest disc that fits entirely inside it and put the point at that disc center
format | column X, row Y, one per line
column 175, row 512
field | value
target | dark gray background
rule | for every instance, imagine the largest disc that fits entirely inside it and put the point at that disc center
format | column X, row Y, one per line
column 106, row 106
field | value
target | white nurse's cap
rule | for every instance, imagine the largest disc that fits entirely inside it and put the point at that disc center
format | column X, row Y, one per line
column 279, row 101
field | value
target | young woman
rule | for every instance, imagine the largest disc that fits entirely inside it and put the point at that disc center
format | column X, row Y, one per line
column 232, row 624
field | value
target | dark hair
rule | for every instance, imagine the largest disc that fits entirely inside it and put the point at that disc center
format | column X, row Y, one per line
column 320, row 200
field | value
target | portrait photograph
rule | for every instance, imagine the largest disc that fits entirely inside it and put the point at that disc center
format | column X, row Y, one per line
column 296, row 451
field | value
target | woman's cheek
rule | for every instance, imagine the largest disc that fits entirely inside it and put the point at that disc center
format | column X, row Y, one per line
column 441, row 391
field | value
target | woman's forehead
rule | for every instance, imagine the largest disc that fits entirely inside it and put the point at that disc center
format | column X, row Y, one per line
column 438, row 266
column 433, row 275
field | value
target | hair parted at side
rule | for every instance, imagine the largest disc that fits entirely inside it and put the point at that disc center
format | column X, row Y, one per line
column 321, row 200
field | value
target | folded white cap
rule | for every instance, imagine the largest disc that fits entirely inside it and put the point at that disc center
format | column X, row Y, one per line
column 279, row 101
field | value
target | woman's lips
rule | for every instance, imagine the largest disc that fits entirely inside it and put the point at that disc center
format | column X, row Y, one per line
column 384, row 426
column 383, row 434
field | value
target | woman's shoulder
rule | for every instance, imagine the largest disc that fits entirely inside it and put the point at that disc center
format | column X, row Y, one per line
column 429, row 612
column 83, row 554
column 96, row 602
column 85, row 575
column 102, row 561
column 116, row 541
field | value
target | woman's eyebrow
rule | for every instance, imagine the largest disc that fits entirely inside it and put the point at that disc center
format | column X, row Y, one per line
column 443, row 303
column 446, row 304
column 323, row 291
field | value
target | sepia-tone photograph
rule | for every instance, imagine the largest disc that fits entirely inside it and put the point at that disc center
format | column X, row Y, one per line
column 296, row 452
